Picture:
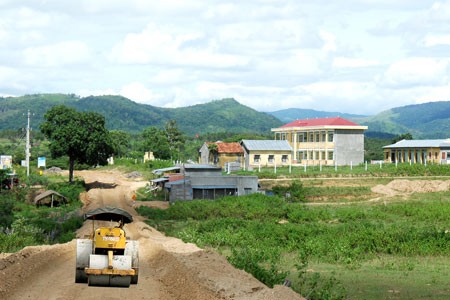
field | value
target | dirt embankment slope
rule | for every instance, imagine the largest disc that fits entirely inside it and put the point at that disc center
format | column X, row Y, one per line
column 169, row 268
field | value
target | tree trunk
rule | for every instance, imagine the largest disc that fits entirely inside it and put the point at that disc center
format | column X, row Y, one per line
column 71, row 166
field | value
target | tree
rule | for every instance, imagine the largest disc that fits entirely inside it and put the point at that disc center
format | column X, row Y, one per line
column 405, row 136
column 81, row 136
column 175, row 138
column 155, row 140
column 120, row 142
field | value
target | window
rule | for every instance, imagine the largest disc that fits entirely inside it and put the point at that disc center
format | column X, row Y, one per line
column 322, row 155
column 317, row 153
column 311, row 137
column 317, row 137
column 330, row 155
column 299, row 137
column 324, row 136
column 283, row 136
column 330, row 136
column 271, row 158
column 284, row 158
column 247, row 191
column 257, row 158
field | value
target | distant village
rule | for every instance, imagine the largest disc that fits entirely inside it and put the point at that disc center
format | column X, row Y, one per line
column 321, row 141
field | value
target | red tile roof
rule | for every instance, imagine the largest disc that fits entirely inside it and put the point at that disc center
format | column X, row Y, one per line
column 229, row 147
column 337, row 121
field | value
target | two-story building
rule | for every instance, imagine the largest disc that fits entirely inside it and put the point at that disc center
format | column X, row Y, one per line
column 326, row 141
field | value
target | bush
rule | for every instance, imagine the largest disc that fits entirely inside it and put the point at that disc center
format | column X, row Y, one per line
column 294, row 192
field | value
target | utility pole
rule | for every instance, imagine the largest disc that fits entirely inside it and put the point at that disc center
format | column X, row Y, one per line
column 27, row 148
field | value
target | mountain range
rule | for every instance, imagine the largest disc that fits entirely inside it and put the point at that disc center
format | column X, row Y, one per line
column 425, row 121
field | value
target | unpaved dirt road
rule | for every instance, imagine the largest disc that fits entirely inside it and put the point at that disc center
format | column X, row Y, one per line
column 169, row 268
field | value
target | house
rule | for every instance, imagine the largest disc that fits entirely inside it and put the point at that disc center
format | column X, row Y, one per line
column 326, row 141
column 266, row 153
column 224, row 153
column 418, row 151
column 196, row 181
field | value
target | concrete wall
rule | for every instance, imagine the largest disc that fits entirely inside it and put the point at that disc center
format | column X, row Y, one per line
column 348, row 147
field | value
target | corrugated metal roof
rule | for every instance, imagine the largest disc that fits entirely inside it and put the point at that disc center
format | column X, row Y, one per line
column 420, row 144
column 270, row 145
column 337, row 121
column 201, row 166
column 160, row 171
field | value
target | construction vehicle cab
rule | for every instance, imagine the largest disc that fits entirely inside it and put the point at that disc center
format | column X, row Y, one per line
column 107, row 258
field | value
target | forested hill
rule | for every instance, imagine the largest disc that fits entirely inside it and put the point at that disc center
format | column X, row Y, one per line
column 225, row 115
column 424, row 121
column 292, row 114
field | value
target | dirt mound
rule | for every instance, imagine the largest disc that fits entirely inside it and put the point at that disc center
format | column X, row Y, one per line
column 402, row 186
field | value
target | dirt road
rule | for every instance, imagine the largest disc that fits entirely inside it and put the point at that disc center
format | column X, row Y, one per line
column 169, row 268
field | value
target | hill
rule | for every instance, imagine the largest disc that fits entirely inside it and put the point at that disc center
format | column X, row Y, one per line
column 424, row 121
column 226, row 115
column 292, row 114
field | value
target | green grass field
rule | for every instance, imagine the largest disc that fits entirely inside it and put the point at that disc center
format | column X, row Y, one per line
column 393, row 249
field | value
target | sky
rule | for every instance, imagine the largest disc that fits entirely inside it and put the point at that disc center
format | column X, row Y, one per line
column 349, row 56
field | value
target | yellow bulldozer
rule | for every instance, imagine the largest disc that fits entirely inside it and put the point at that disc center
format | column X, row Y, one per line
column 107, row 257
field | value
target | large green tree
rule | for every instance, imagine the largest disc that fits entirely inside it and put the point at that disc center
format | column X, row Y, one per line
column 175, row 138
column 81, row 136
column 120, row 141
column 155, row 140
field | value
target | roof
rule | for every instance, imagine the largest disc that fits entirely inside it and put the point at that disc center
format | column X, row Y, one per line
column 161, row 179
column 201, row 167
column 109, row 213
column 420, row 144
column 45, row 194
column 161, row 171
column 319, row 122
column 229, row 147
column 270, row 145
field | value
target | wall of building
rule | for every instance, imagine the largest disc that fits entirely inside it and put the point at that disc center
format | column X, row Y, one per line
column 227, row 157
column 204, row 154
column 348, row 147
column 414, row 155
column 184, row 192
column 264, row 157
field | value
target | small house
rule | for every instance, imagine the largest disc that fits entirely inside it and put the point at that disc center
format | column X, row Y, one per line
column 266, row 153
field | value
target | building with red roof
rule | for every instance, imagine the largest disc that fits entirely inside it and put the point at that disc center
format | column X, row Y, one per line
column 324, row 141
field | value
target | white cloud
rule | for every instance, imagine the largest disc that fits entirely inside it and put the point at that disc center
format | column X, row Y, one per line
column 437, row 40
column 60, row 54
column 138, row 92
column 346, row 62
column 415, row 71
column 156, row 45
